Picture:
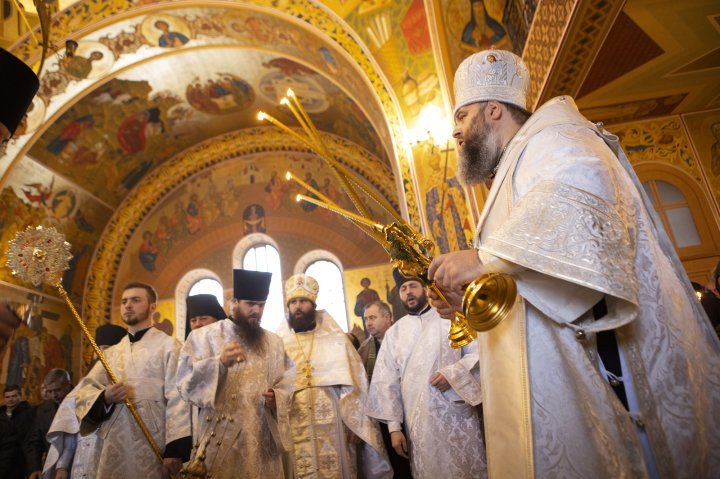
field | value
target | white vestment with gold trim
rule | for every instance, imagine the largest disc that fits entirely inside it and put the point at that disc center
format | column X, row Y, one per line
column 568, row 219
column 238, row 435
column 328, row 403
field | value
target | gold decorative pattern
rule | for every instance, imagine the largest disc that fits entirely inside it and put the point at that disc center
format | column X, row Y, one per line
column 86, row 13
column 586, row 33
column 662, row 140
column 156, row 185
column 543, row 43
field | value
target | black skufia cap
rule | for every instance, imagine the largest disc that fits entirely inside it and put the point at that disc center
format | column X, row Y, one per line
column 204, row 305
column 18, row 85
column 400, row 279
column 109, row 334
column 251, row 285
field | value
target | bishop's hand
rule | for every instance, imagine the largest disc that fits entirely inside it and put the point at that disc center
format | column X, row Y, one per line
column 270, row 402
column 446, row 309
column 452, row 271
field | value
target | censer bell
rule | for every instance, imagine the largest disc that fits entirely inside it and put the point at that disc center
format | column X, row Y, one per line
column 488, row 300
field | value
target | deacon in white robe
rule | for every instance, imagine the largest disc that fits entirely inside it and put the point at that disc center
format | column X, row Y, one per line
column 145, row 362
column 606, row 365
column 431, row 388
column 240, row 378
column 331, row 433
column 72, row 455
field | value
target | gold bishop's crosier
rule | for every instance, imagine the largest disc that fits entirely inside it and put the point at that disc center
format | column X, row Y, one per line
column 40, row 255
column 487, row 300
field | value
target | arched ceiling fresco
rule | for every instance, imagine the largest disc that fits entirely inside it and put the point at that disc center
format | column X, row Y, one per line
column 155, row 84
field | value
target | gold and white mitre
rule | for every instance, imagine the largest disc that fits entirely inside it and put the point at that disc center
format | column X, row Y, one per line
column 492, row 75
column 301, row 286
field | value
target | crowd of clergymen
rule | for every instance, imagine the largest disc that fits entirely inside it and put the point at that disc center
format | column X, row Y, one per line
column 239, row 401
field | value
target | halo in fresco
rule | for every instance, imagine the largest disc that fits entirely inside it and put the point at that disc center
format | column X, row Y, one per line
column 34, row 117
column 223, row 94
column 91, row 60
column 274, row 85
column 167, row 31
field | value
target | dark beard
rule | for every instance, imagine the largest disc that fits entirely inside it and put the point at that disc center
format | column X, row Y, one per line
column 421, row 304
column 303, row 322
column 250, row 331
column 479, row 155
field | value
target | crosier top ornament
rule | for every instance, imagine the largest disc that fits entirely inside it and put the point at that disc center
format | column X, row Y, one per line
column 39, row 255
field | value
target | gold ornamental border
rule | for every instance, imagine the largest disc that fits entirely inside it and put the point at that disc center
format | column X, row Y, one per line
column 155, row 186
column 80, row 17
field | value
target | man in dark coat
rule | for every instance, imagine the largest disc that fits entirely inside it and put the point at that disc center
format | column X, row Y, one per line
column 16, row 416
column 57, row 385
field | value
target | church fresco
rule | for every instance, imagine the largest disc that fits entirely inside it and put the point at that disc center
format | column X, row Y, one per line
column 88, row 60
column 444, row 204
column 45, row 339
column 474, row 25
column 34, row 195
column 129, row 125
column 704, row 131
column 251, row 192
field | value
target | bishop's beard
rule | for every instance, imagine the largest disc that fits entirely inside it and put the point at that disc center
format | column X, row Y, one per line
column 250, row 331
column 479, row 155
column 300, row 322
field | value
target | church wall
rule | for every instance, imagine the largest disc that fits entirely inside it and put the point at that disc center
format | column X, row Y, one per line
column 690, row 143
column 48, row 338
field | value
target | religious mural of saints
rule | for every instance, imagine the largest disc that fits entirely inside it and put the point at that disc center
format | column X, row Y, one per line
column 225, row 94
column 254, row 219
column 148, row 253
column 482, row 30
column 166, row 31
column 79, row 66
column 136, row 129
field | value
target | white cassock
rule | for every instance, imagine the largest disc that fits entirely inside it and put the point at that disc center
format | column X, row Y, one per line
column 329, row 398
column 567, row 218
column 240, row 437
column 444, row 429
column 68, row 446
column 148, row 367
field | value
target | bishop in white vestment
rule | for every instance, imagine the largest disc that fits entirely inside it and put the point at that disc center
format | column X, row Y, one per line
column 240, row 378
column 330, row 430
column 434, row 390
column 606, row 366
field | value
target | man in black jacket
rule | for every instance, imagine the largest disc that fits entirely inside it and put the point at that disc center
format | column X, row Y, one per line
column 16, row 417
column 57, row 385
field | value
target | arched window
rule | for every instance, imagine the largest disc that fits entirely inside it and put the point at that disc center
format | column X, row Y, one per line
column 265, row 257
column 208, row 286
column 683, row 208
column 673, row 208
column 194, row 282
column 327, row 270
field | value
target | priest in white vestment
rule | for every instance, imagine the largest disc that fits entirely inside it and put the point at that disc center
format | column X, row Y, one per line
column 72, row 455
column 145, row 363
column 433, row 390
column 240, row 378
column 330, row 431
column 607, row 365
